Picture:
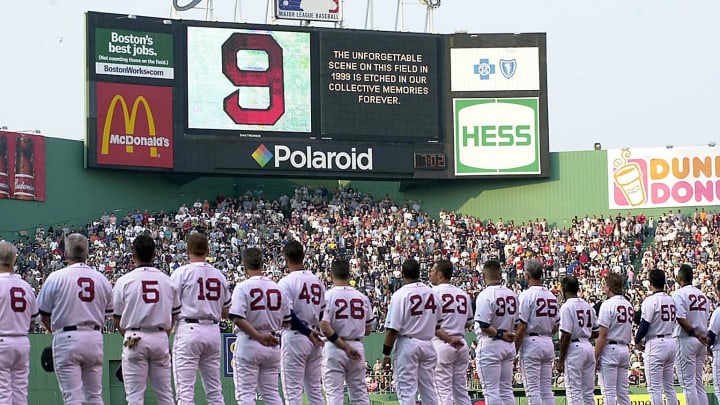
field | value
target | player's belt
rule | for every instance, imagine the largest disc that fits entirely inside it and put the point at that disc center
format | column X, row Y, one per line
column 191, row 320
column 351, row 339
column 159, row 329
column 80, row 327
column 538, row 335
column 578, row 340
column 658, row 337
column 613, row 342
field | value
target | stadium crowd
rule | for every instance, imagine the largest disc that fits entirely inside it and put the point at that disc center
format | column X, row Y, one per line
column 378, row 234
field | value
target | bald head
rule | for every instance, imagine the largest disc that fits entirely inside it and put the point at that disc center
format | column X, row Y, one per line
column 8, row 253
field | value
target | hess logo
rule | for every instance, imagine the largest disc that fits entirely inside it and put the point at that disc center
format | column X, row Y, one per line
column 492, row 134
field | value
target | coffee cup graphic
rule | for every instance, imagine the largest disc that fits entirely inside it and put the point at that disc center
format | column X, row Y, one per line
column 629, row 178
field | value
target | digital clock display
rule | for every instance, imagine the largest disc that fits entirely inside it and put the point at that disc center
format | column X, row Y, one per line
column 430, row 161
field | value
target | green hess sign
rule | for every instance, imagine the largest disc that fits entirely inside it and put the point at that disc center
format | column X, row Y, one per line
column 496, row 136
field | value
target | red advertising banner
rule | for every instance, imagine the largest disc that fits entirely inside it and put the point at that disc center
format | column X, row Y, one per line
column 134, row 125
column 22, row 166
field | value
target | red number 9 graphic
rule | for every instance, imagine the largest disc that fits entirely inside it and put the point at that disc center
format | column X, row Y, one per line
column 272, row 78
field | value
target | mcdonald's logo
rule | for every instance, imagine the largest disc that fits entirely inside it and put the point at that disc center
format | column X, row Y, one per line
column 143, row 137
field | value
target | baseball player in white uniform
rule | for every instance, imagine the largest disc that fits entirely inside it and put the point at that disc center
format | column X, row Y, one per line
column 578, row 323
column 73, row 304
column 612, row 355
column 415, row 312
column 658, row 321
column 259, row 310
column 301, row 349
column 692, row 311
column 713, row 332
column 453, row 357
column 347, row 319
column 496, row 310
column 538, row 321
column 146, row 301
column 205, row 299
column 18, row 311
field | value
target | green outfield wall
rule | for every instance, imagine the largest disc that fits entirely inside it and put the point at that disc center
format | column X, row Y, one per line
column 577, row 185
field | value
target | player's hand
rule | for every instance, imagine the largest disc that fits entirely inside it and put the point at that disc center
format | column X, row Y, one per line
column 268, row 340
column 509, row 337
column 315, row 338
column 457, row 343
column 353, row 353
column 702, row 338
column 640, row 346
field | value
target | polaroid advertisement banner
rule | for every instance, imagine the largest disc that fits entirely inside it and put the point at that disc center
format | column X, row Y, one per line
column 496, row 136
column 22, row 166
column 663, row 177
column 494, row 69
column 134, row 53
column 134, row 125
column 309, row 10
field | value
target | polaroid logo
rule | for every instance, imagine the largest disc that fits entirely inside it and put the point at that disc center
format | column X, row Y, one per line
column 314, row 159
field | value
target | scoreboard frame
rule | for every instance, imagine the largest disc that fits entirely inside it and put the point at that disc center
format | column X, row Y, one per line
column 350, row 117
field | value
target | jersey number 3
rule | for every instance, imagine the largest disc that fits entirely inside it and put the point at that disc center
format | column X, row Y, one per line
column 87, row 289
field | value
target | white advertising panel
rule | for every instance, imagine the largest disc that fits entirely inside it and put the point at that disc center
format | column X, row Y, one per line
column 494, row 69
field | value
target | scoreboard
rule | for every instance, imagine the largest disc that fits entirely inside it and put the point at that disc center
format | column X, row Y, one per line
column 221, row 98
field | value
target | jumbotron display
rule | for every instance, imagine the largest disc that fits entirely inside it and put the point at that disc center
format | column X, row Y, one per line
column 219, row 98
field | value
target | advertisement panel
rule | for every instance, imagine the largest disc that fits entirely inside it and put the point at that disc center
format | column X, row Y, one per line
column 494, row 69
column 22, row 166
column 134, row 125
column 496, row 136
column 134, row 53
column 663, row 177
column 309, row 10
column 240, row 79
column 318, row 157
column 228, row 345
column 378, row 84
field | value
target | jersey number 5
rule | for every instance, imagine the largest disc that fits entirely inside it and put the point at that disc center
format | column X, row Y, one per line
column 150, row 291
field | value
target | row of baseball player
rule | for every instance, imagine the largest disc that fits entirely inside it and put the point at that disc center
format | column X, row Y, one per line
column 425, row 326
column 146, row 305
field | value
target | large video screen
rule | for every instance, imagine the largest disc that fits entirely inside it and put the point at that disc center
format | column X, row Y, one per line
column 248, row 80
column 198, row 97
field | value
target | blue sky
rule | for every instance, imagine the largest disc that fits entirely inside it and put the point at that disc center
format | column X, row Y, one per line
column 625, row 73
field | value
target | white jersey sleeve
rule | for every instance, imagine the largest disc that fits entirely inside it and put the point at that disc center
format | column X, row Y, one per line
column 146, row 298
column 659, row 311
column 415, row 311
column 578, row 319
column 496, row 306
column 305, row 294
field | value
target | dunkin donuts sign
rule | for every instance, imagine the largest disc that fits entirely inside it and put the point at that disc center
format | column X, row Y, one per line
column 134, row 125
column 663, row 177
column 22, row 166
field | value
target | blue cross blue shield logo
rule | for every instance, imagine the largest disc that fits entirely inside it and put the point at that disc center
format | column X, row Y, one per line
column 484, row 69
column 508, row 67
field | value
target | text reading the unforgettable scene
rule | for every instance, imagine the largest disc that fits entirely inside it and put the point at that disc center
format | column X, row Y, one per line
column 377, row 77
